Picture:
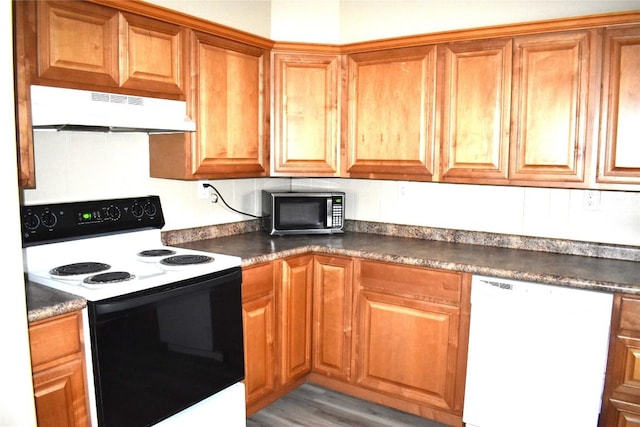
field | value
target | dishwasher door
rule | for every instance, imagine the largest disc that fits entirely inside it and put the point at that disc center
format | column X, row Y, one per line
column 537, row 354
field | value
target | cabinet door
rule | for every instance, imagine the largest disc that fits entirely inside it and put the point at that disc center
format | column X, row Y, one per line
column 59, row 376
column 391, row 114
column 153, row 55
column 77, row 42
column 228, row 102
column 230, row 106
column 332, row 301
column 306, row 114
column 619, row 157
column 553, row 93
column 258, row 317
column 621, row 397
column 295, row 317
column 60, row 395
column 408, row 347
column 475, row 111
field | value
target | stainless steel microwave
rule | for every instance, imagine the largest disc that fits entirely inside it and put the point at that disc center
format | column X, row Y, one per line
column 297, row 212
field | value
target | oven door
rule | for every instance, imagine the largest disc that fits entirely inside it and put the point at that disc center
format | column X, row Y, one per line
column 159, row 351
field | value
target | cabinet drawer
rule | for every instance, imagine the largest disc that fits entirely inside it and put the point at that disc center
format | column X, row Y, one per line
column 256, row 281
column 419, row 281
column 55, row 338
column 630, row 314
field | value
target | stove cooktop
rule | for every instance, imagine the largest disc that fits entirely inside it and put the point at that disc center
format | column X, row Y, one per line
column 106, row 248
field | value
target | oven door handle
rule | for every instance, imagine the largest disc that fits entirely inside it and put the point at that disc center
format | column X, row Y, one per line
column 126, row 302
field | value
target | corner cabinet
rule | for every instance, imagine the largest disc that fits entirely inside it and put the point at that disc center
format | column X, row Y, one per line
column 306, row 115
column 619, row 153
column 296, row 276
column 332, row 315
column 229, row 102
column 57, row 359
column 390, row 113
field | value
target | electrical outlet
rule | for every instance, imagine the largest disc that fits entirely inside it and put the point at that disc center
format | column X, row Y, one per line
column 203, row 192
column 591, row 200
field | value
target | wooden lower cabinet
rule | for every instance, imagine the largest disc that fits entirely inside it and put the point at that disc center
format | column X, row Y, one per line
column 258, row 317
column 621, row 402
column 389, row 333
column 332, row 315
column 295, row 317
column 407, row 340
column 59, row 373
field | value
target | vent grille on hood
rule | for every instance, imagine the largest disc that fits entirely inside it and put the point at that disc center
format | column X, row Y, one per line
column 54, row 108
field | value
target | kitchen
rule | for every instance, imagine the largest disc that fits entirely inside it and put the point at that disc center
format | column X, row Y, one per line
column 553, row 213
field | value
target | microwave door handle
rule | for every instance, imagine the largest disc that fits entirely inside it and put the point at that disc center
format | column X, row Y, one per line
column 329, row 213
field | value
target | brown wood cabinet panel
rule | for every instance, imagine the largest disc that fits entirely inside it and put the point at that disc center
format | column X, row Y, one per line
column 621, row 397
column 153, row 55
column 406, row 348
column 423, row 315
column 60, row 395
column 258, row 317
column 391, row 105
column 411, row 281
column 619, row 156
column 59, row 375
column 77, row 42
column 295, row 317
column 475, row 108
column 306, row 114
column 554, row 77
column 229, row 103
column 332, row 315
column 54, row 339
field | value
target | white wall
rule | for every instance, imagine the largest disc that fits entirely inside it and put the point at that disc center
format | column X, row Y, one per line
column 64, row 162
column 16, row 391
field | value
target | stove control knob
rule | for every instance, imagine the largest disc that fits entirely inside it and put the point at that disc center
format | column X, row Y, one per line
column 150, row 209
column 137, row 210
column 113, row 213
column 49, row 219
column 31, row 221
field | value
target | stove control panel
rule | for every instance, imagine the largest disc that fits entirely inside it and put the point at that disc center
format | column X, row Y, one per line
column 68, row 221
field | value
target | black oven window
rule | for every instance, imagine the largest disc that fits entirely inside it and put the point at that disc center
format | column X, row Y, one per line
column 158, row 355
column 300, row 213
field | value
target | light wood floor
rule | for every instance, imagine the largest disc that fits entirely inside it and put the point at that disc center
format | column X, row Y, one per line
column 314, row 406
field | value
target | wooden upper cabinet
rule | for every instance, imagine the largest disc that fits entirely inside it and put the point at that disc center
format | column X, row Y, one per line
column 391, row 101
column 619, row 154
column 77, row 42
column 229, row 104
column 475, row 110
column 552, row 103
column 88, row 46
column 152, row 54
column 306, row 130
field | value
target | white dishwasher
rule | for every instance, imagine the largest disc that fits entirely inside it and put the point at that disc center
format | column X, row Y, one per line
column 537, row 354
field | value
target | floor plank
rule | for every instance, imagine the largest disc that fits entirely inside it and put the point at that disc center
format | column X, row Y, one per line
column 314, row 406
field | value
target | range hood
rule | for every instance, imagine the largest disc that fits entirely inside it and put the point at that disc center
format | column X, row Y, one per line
column 54, row 108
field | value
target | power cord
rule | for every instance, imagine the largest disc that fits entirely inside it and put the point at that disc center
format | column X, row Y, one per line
column 207, row 185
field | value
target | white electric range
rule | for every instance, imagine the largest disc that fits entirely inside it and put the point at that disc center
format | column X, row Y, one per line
column 163, row 324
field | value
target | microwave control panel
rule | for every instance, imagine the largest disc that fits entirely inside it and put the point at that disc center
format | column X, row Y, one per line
column 337, row 211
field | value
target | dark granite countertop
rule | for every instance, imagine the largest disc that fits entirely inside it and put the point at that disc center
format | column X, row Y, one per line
column 545, row 267
column 603, row 274
column 44, row 302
